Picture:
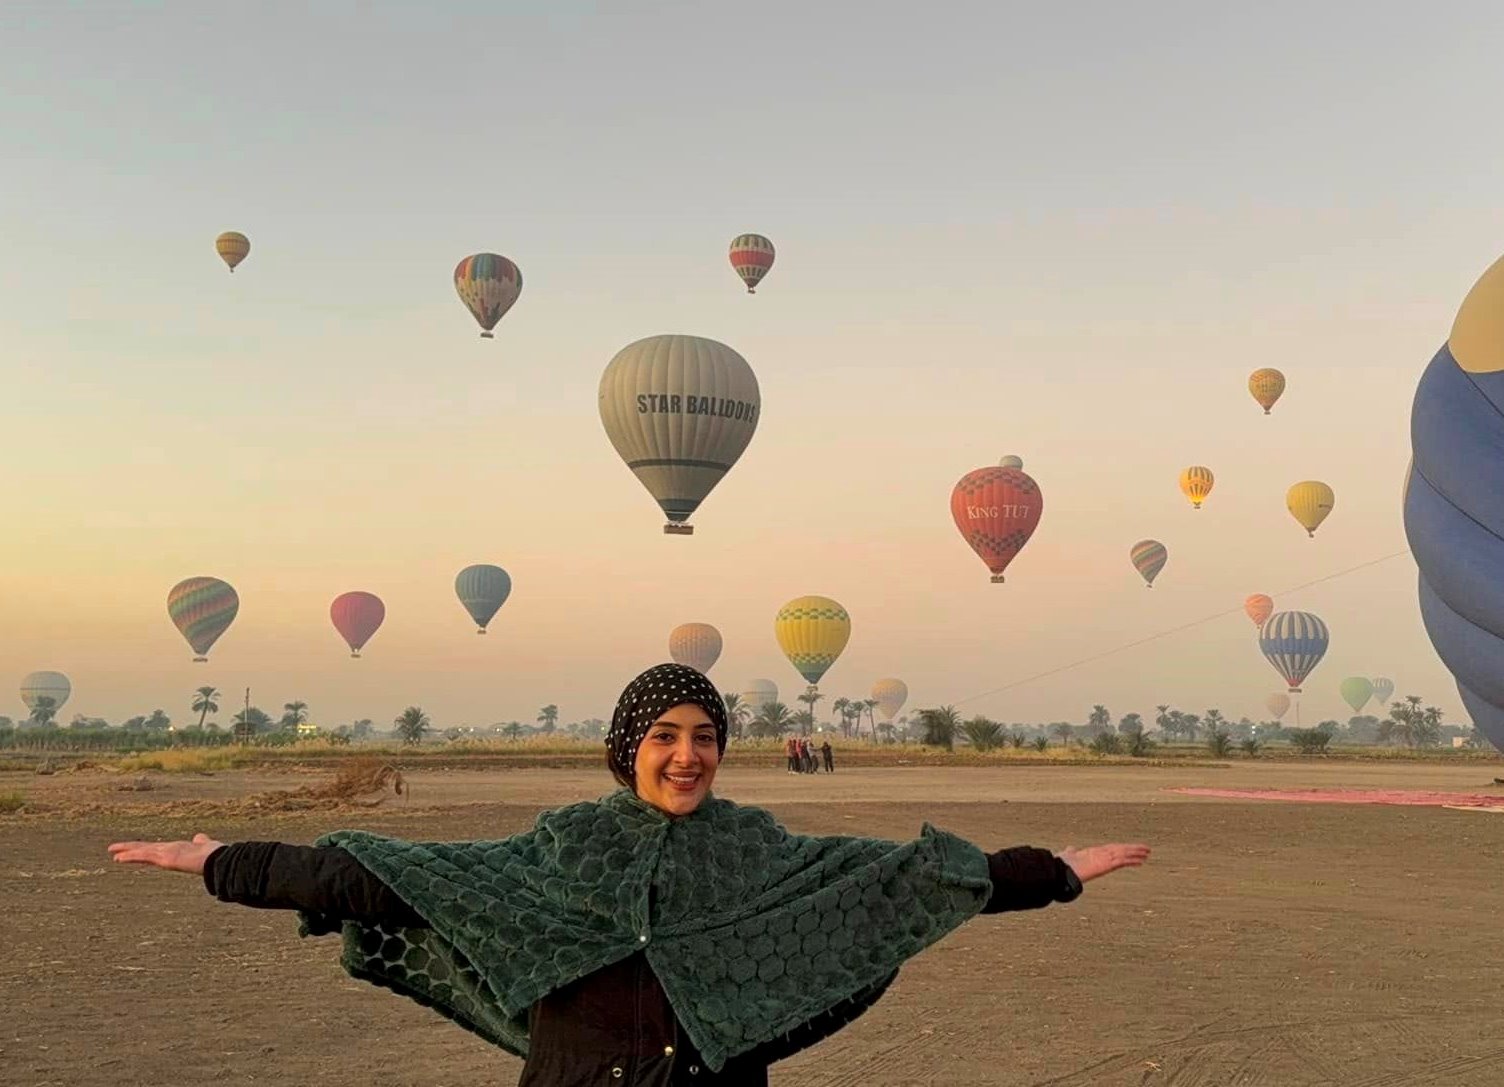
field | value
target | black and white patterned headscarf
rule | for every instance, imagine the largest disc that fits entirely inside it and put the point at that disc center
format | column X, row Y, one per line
column 649, row 697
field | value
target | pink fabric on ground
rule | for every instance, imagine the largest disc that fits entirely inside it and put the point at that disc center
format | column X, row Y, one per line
column 1354, row 796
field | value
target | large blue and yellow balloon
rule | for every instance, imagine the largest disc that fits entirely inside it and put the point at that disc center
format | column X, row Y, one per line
column 1454, row 501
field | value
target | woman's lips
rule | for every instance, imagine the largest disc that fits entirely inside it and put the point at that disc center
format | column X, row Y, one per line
column 686, row 785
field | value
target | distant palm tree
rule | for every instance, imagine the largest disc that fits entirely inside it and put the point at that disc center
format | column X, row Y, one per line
column 411, row 724
column 158, row 721
column 870, row 704
column 982, row 734
column 1162, row 719
column 738, row 712
column 842, row 707
column 44, row 709
column 1100, row 720
column 204, row 703
column 940, row 727
column 293, row 715
column 809, row 698
column 1064, row 731
column 772, row 721
column 548, row 717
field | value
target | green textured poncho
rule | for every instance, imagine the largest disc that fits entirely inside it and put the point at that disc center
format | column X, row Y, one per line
column 751, row 930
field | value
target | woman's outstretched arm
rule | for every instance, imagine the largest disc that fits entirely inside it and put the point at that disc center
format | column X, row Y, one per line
column 1026, row 878
column 323, row 880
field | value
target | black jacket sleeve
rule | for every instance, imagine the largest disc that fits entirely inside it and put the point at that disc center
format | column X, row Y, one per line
column 323, row 880
column 1025, row 878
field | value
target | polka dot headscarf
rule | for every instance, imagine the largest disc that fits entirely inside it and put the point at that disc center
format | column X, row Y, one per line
column 649, row 697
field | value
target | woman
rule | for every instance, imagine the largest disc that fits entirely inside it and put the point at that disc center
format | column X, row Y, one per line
column 659, row 937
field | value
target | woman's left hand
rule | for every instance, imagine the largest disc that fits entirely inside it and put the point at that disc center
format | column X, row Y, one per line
column 1098, row 860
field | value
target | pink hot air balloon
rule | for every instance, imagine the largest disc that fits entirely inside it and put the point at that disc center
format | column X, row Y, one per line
column 357, row 616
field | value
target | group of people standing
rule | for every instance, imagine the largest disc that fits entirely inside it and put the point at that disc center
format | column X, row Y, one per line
column 805, row 758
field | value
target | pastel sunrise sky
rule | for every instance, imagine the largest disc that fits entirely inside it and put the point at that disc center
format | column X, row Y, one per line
column 1002, row 228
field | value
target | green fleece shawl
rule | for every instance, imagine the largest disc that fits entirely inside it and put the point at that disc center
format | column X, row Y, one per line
column 751, row 930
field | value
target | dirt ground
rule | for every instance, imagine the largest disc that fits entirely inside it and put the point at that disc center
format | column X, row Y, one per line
column 1266, row 943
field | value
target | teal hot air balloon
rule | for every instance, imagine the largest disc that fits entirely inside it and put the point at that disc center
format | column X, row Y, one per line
column 1356, row 691
column 483, row 589
column 202, row 608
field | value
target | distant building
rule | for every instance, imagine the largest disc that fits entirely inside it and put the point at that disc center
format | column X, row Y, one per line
column 308, row 730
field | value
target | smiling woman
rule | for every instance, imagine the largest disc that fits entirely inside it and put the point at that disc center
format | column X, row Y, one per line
column 658, row 937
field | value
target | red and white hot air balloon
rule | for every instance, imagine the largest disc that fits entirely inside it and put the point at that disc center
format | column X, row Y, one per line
column 751, row 256
column 996, row 511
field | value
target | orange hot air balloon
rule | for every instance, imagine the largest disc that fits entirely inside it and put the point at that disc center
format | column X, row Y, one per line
column 996, row 511
column 1259, row 607
column 357, row 616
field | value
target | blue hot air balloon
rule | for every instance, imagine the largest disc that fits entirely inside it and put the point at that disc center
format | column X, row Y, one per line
column 1294, row 642
column 483, row 589
column 1454, row 501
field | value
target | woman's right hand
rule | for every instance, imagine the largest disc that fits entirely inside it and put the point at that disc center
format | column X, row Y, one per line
column 174, row 856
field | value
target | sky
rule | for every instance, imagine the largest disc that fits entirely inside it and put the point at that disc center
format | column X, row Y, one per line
column 1065, row 234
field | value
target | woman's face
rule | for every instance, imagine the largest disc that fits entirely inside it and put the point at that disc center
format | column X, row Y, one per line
column 676, row 760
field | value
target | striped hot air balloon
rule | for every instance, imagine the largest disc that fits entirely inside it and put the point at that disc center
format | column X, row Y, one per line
column 1149, row 558
column 488, row 284
column 357, row 616
column 1382, row 689
column 1196, row 483
column 697, row 645
column 232, row 247
column 1309, row 503
column 751, row 256
column 1266, row 386
column 51, row 685
column 1278, row 704
column 1294, row 643
column 758, row 693
column 1258, row 607
column 996, row 510
column 202, row 608
column 812, row 631
column 482, row 590
column 890, row 695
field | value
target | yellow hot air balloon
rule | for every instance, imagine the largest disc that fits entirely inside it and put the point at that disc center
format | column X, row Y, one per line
column 1196, row 483
column 1266, row 385
column 812, row 631
column 232, row 247
column 1309, row 502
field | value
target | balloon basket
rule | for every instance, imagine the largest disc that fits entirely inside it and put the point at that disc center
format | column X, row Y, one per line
column 482, row 630
column 487, row 336
column 355, row 656
column 200, row 660
column 997, row 579
column 673, row 528
column 751, row 290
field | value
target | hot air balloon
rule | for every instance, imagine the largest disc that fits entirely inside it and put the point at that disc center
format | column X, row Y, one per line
column 1356, row 691
column 232, row 247
column 1266, row 385
column 357, row 616
column 488, row 284
column 695, row 644
column 758, row 694
column 812, row 631
column 1294, row 643
column 1454, row 502
column 1148, row 557
column 1196, row 483
column 1012, row 461
column 38, row 685
column 483, row 589
column 679, row 410
column 1309, row 502
column 1382, row 689
column 751, row 256
column 996, row 511
column 890, row 695
column 1258, row 607
column 202, row 608
column 1278, row 704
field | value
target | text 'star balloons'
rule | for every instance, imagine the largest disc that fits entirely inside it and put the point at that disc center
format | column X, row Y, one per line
column 1454, row 501
column 1196, row 483
column 1356, row 691
column 812, row 631
column 1309, row 503
column 1278, row 704
column 697, row 645
column 232, row 247
column 1148, row 558
column 1258, row 608
column 1266, row 385
column 1382, row 689
column 679, row 410
column 482, row 590
column 751, row 256
column 996, row 510
column 890, row 695
column 1294, row 643
column 202, row 608
column 488, row 284
column 758, row 693
column 357, row 616
column 39, row 685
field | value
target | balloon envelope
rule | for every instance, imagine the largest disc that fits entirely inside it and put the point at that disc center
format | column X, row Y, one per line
column 1356, row 691
column 1196, row 483
column 1258, row 607
column 758, row 694
column 751, row 256
column 996, row 510
column 680, row 410
column 1382, row 689
column 488, row 284
column 1148, row 558
column 812, row 631
column 38, row 685
column 1278, row 704
column 232, row 247
column 357, row 616
column 890, row 695
column 1294, row 643
column 1266, row 386
column 1309, row 503
column 696, row 644
column 1011, row 461
column 202, row 608
column 482, row 590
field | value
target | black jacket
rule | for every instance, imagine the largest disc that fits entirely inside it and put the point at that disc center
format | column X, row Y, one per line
column 613, row 1027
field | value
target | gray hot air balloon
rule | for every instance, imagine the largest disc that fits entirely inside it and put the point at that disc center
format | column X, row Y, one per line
column 758, row 694
column 51, row 685
column 679, row 410
column 482, row 590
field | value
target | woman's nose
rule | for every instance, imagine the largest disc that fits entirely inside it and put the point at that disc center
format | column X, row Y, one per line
column 684, row 752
